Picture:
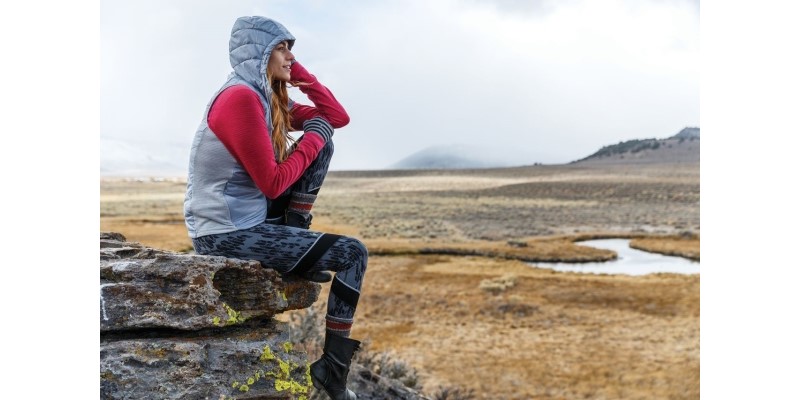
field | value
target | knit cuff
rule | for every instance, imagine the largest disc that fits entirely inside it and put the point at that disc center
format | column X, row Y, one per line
column 319, row 126
column 338, row 326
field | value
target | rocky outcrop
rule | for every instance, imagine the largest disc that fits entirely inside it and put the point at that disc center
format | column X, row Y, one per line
column 179, row 326
column 370, row 386
column 196, row 327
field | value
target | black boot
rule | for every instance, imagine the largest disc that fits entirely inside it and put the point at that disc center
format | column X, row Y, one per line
column 329, row 373
column 297, row 220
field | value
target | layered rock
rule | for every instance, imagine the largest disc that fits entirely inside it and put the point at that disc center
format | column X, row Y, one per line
column 196, row 327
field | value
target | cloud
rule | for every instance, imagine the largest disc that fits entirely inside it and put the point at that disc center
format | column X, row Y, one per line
column 553, row 80
column 585, row 75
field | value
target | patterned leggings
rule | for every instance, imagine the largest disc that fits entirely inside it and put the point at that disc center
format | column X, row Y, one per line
column 286, row 248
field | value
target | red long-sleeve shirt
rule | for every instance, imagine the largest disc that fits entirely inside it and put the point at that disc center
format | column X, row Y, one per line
column 237, row 118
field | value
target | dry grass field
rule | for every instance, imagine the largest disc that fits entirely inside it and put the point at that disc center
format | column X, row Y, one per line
column 449, row 291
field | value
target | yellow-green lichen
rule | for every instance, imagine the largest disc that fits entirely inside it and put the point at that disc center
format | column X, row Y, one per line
column 215, row 320
column 234, row 316
column 283, row 380
column 291, row 385
column 284, row 366
column 283, row 294
column 235, row 384
column 281, row 385
column 279, row 373
column 266, row 354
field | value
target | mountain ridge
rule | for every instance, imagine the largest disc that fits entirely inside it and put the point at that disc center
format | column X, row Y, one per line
column 681, row 147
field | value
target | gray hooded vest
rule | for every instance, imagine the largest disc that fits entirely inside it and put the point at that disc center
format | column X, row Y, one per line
column 220, row 195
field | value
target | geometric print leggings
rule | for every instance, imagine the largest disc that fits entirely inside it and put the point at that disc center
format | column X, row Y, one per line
column 288, row 249
column 281, row 247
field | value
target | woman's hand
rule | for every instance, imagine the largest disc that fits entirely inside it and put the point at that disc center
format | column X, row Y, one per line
column 299, row 76
column 325, row 104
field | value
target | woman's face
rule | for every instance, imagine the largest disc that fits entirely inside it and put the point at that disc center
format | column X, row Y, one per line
column 280, row 62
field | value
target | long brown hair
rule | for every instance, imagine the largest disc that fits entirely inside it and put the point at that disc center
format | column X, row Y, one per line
column 281, row 118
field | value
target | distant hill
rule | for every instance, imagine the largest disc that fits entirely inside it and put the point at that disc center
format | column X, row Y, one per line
column 454, row 157
column 688, row 133
column 683, row 147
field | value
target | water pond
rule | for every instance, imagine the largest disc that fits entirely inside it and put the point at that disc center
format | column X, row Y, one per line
column 629, row 261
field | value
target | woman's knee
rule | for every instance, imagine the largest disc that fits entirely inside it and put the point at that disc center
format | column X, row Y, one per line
column 358, row 251
column 328, row 147
column 326, row 153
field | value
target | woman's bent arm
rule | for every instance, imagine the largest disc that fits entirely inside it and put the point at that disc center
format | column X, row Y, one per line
column 325, row 103
column 237, row 118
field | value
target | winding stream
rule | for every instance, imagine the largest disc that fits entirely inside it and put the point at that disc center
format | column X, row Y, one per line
column 629, row 261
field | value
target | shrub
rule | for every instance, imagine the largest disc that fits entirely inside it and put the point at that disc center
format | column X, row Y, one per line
column 454, row 393
column 497, row 285
column 387, row 365
column 306, row 329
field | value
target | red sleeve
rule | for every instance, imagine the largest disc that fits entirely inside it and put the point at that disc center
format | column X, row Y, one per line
column 325, row 105
column 237, row 118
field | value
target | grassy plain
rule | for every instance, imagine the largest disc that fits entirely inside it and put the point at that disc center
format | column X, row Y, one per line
column 449, row 288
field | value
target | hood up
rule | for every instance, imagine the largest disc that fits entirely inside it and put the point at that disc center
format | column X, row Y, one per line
column 252, row 41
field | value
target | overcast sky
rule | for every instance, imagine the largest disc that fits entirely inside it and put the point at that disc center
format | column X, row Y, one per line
column 544, row 81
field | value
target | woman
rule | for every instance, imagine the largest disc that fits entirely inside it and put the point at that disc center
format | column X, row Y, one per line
column 250, row 189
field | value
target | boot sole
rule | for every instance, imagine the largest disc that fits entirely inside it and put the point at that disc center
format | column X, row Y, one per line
column 318, row 385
